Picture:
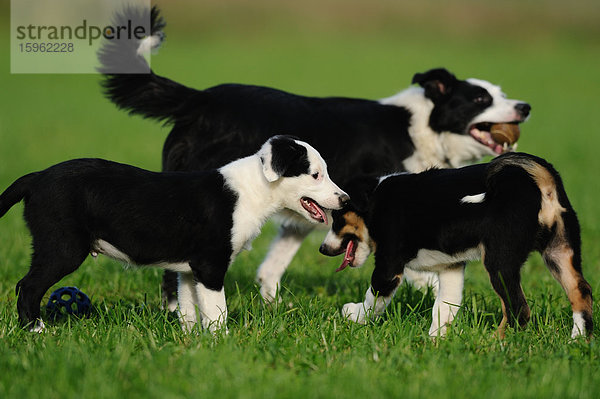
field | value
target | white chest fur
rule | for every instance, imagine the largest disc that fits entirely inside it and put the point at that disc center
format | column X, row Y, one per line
column 430, row 260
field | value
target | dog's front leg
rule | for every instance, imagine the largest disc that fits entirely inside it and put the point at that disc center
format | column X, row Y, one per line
column 281, row 253
column 449, row 299
column 378, row 296
column 213, row 308
column 187, row 299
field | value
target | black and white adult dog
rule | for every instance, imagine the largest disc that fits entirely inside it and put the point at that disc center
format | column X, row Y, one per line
column 498, row 212
column 194, row 223
column 441, row 123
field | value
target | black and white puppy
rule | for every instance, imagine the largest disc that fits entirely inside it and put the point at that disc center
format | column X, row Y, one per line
column 194, row 223
column 441, row 122
column 498, row 212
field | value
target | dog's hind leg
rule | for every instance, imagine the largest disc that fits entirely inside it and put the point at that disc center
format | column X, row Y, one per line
column 563, row 259
column 280, row 255
column 506, row 280
column 50, row 262
column 169, row 288
column 449, row 299
column 188, row 299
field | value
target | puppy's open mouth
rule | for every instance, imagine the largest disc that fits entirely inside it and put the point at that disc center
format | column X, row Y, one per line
column 499, row 137
column 314, row 209
column 348, row 256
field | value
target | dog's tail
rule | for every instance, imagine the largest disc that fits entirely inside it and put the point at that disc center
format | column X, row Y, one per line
column 143, row 93
column 15, row 192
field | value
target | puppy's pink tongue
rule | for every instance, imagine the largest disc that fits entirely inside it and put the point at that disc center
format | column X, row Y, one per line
column 348, row 257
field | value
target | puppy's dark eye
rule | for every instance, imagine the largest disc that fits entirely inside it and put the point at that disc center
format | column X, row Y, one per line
column 315, row 175
column 482, row 100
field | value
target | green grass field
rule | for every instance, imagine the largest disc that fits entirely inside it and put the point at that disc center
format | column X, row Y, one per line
column 544, row 52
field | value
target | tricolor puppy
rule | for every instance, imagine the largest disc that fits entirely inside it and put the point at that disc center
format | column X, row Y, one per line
column 194, row 223
column 497, row 212
column 440, row 121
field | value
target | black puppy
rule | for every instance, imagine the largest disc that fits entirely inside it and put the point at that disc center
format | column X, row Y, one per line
column 194, row 223
column 498, row 212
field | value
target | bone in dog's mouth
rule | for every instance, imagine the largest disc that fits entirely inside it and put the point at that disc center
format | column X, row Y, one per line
column 314, row 209
column 481, row 133
column 349, row 256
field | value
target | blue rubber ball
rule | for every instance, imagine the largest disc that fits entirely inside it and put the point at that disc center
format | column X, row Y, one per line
column 68, row 300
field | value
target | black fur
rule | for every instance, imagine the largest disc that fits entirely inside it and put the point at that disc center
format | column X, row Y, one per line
column 289, row 158
column 71, row 205
column 410, row 212
column 211, row 127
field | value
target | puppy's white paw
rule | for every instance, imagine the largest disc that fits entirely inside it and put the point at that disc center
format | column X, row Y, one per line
column 172, row 305
column 355, row 312
column 435, row 331
column 268, row 291
column 38, row 327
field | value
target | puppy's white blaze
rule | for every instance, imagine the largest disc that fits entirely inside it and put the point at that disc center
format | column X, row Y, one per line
column 578, row 325
column 473, row 199
column 148, row 44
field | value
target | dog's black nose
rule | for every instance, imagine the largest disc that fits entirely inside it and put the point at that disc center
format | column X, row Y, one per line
column 323, row 249
column 523, row 109
column 344, row 198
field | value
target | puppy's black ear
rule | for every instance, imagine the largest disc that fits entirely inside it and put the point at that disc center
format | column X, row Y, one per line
column 437, row 83
column 282, row 156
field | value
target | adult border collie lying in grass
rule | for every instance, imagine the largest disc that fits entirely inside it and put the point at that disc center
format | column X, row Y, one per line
column 444, row 122
column 497, row 212
column 194, row 223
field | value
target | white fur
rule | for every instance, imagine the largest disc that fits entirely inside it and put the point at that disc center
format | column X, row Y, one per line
column 448, row 301
column 433, row 149
column 502, row 110
column 106, row 248
column 430, row 260
column 578, row 325
column 187, row 297
column 256, row 200
column 38, row 327
column 149, row 43
column 422, row 280
column 260, row 194
column 473, row 199
column 213, row 308
column 450, row 278
column 371, row 307
column 281, row 253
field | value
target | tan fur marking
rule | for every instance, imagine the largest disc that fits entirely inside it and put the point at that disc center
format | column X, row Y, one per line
column 551, row 209
column 354, row 225
column 501, row 331
column 569, row 278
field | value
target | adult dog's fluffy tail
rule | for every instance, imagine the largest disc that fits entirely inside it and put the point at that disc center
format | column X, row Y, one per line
column 15, row 193
column 145, row 94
